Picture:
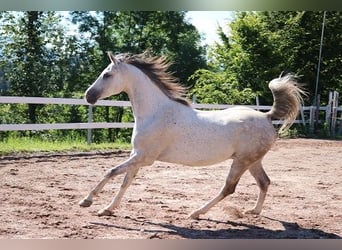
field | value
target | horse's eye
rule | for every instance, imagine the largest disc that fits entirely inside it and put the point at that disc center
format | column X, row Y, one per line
column 106, row 76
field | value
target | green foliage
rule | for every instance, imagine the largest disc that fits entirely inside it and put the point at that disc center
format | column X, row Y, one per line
column 219, row 88
column 242, row 65
column 31, row 52
column 297, row 35
column 296, row 130
column 261, row 46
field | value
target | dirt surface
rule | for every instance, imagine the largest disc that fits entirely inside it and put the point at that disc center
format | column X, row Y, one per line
column 39, row 197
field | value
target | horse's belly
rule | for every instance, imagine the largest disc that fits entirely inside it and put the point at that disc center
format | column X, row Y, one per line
column 193, row 159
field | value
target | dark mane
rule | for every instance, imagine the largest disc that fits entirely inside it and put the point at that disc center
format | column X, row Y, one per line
column 156, row 68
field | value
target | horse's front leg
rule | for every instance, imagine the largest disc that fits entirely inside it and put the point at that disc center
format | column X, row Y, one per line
column 117, row 199
column 131, row 167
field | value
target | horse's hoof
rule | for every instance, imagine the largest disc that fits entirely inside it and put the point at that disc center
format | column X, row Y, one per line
column 85, row 203
column 104, row 212
column 195, row 215
column 253, row 212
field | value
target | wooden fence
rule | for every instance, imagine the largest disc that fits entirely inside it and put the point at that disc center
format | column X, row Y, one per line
column 306, row 116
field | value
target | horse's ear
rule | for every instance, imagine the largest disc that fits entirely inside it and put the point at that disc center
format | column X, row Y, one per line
column 112, row 58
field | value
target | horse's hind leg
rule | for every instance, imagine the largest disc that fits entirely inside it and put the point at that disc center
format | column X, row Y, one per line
column 263, row 182
column 235, row 173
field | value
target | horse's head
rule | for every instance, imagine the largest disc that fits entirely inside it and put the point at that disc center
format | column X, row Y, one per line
column 109, row 82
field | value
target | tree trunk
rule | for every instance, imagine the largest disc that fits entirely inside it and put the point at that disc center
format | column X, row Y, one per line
column 32, row 113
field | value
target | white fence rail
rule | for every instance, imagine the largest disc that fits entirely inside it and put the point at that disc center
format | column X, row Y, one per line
column 62, row 101
column 96, row 125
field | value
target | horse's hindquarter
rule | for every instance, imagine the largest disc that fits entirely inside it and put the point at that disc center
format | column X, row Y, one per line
column 207, row 137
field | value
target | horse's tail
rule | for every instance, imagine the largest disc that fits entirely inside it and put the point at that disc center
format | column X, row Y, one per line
column 287, row 96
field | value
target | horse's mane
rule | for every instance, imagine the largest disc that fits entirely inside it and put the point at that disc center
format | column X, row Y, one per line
column 156, row 68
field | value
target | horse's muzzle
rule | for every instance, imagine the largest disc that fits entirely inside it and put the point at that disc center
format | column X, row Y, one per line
column 91, row 96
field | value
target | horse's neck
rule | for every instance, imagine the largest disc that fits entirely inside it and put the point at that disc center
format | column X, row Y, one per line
column 145, row 96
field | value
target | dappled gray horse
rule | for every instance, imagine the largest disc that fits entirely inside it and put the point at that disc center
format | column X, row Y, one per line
column 168, row 129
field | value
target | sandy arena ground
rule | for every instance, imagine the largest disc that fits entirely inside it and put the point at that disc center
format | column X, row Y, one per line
column 39, row 197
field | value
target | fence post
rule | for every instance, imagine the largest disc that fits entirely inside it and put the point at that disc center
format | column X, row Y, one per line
column 257, row 102
column 194, row 99
column 312, row 119
column 328, row 110
column 340, row 126
column 302, row 115
column 90, row 119
column 334, row 106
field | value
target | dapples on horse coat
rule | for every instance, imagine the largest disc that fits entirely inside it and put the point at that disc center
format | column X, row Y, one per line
column 168, row 129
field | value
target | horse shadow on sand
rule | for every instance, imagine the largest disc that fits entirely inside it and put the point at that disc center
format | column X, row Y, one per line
column 235, row 230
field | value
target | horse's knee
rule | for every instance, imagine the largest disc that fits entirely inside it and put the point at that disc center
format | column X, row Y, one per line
column 264, row 183
column 114, row 172
column 260, row 176
column 228, row 189
column 110, row 173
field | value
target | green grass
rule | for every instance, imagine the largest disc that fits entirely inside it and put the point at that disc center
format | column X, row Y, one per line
column 30, row 145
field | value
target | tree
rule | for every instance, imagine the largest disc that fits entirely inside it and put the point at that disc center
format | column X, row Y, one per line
column 262, row 45
column 244, row 62
column 298, row 34
column 31, row 53
column 219, row 88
